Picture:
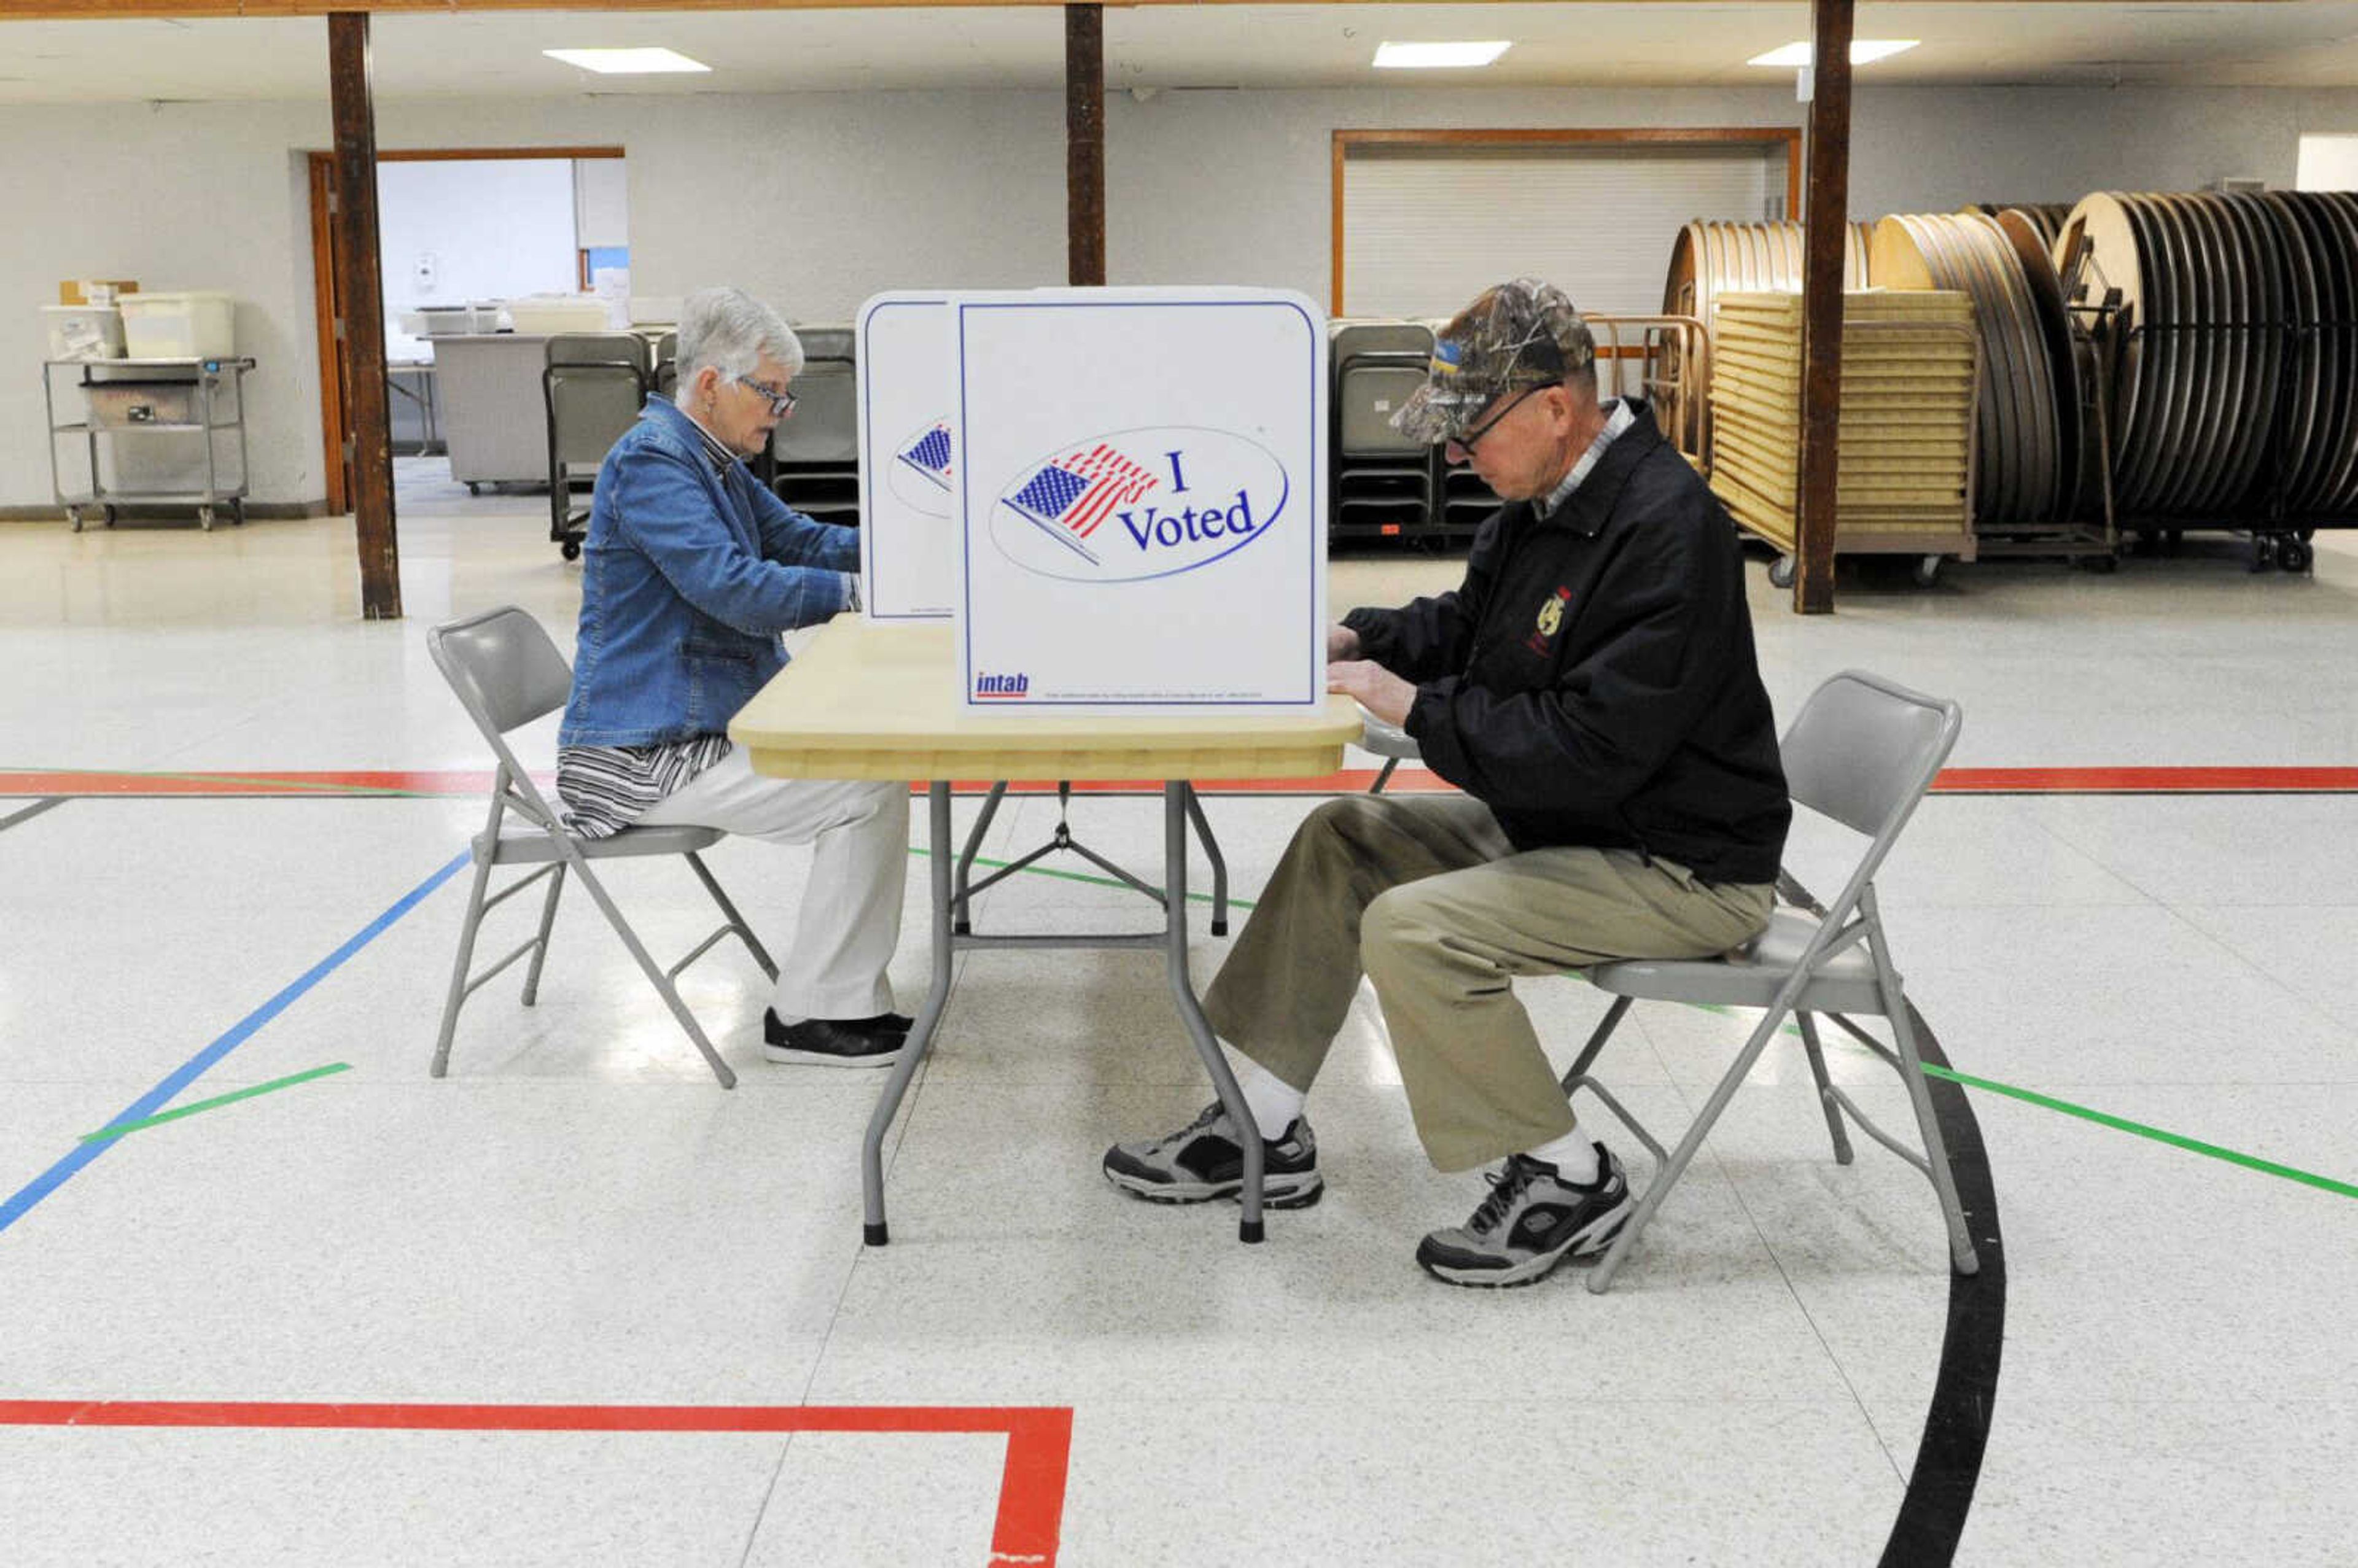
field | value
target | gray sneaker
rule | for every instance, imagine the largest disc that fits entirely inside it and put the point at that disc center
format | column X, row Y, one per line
column 1204, row 1159
column 1532, row 1221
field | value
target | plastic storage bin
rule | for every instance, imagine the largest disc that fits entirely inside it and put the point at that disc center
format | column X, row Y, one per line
column 547, row 314
column 83, row 331
column 199, row 325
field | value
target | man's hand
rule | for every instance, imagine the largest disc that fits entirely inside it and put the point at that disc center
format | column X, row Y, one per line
column 1342, row 643
column 1379, row 690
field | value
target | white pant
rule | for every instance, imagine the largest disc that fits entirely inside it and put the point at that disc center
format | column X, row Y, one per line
column 851, row 919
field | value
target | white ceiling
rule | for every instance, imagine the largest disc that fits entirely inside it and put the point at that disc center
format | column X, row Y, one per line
column 1652, row 42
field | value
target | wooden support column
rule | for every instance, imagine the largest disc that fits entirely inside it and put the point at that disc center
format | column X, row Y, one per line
column 1084, row 145
column 1826, row 228
column 360, row 296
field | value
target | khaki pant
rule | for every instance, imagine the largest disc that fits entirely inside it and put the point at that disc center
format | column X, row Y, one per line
column 1425, row 895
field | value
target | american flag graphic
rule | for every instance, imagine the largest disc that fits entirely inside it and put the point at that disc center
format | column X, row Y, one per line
column 1070, row 497
column 930, row 454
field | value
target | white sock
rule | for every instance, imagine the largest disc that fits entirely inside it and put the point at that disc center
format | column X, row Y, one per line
column 1274, row 1103
column 1572, row 1155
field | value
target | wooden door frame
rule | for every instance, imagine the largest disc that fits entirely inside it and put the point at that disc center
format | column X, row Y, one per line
column 334, row 421
column 1789, row 136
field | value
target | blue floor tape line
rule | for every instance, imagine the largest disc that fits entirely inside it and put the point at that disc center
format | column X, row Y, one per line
column 196, row 1066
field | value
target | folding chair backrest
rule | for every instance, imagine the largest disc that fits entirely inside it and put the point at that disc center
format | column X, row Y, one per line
column 1368, row 393
column 825, row 343
column 590, row 407
column 1371, row 335
column 1865, row 749
column 597, row 347
column 824, row 426
column 503, row 668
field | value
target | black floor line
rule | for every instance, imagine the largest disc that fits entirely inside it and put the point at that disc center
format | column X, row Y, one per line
column 30, row 812
column 1956, row 1427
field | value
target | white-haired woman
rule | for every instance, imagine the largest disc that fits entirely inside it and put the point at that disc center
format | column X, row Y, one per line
column 691, row 570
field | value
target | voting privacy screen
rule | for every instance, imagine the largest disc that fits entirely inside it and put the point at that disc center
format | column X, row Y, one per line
column 1139, row 499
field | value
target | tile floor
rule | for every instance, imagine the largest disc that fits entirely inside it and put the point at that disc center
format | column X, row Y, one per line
column 579, row 1218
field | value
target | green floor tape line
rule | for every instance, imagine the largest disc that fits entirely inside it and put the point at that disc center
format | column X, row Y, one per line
column 174, row 1115
column 1083, row 877
column 2122, row 1124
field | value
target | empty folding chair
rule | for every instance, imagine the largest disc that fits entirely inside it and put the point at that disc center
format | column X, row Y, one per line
column 1862, row 752
column 506, row 674
column 592, row 386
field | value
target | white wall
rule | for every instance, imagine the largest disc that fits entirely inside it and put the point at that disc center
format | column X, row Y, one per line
column 495, row 228
column 2329, row 163
column 815, row 201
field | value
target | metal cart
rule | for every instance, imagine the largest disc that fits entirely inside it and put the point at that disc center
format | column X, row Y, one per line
column 131, row 400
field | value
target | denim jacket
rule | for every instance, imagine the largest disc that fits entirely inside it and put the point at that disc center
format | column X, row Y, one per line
column 690, row 572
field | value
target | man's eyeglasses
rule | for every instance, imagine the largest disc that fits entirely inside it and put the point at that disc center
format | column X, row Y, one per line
column 1465, row 442
column 781, row 402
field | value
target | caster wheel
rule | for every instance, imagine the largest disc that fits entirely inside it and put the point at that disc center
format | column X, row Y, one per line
column 2295, row 556
column 205, row 518
column 1928, row 571
column 73, row 516
column 2263, row 552
column 473, row 488
column 571, row 550
column 109, row 515
column 1780, row 572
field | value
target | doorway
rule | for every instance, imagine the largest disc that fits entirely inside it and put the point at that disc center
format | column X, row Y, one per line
column 594, row 234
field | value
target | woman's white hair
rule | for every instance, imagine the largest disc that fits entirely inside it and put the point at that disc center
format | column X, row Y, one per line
column 730, row 330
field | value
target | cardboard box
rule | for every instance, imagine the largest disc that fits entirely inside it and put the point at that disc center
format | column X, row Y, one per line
column 70, row 292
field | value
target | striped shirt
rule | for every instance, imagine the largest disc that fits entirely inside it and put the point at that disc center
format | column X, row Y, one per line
column 607, row 788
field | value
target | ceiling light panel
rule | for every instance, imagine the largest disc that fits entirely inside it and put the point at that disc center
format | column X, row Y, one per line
column 1437, row 57
column 628, row 62
column 1862, row 51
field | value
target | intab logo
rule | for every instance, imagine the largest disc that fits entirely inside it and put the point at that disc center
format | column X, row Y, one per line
column 1140, row 503
column 921, row 470
column 997, row 686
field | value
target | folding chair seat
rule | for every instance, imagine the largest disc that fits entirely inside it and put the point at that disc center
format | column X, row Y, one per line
column 1862, row 752
column 506, row 672
column 1390, row 742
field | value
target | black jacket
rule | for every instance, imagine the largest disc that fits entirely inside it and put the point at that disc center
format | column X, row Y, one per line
column 1593, row 681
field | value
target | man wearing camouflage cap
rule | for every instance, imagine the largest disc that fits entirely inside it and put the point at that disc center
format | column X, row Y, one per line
column 1592, row 688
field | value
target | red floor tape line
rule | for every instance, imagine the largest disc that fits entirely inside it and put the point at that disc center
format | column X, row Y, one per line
column 1031, row 1487
column 284, row 784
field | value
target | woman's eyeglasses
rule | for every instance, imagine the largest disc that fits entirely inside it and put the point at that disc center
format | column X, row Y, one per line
column 781, row 402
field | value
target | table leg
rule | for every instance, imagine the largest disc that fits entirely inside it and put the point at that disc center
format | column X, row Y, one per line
column 1175, row 800
column 1220, row 863
column 921, row 1032
column 960, row 922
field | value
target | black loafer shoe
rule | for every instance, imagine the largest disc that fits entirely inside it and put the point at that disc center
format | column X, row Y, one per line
column 831, row 1041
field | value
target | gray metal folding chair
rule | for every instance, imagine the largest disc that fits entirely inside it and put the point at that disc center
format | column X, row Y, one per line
column 591, row 384
column 1390, row 742
column 1863, row 752
column 506, row 674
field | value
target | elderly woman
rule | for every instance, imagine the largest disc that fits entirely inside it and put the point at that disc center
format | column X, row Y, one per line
column 690, row 572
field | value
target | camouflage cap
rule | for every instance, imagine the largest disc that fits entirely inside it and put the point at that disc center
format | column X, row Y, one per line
column 1518, row 334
